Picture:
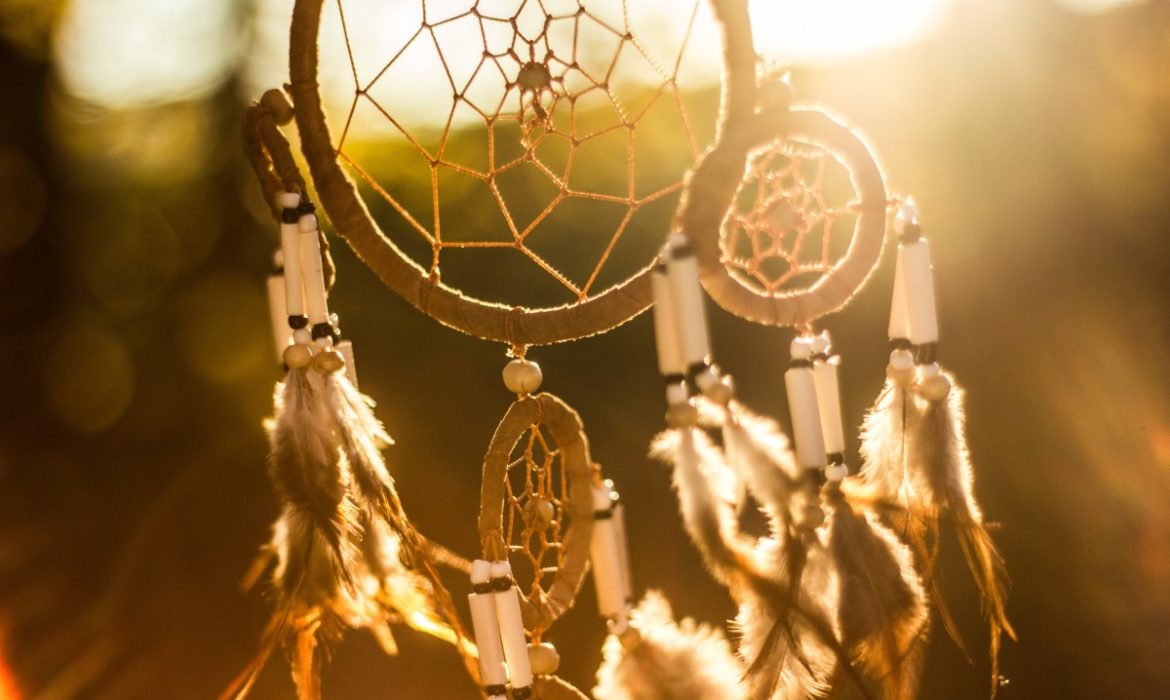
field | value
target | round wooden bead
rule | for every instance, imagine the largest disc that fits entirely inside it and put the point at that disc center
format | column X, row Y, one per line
column 801, row 347
column 935, row 388
column 836, row 472
column 298, row 356
column 543, row 658
column 328, row 361
column 630, row 637
column 522, row 376
column 540, row 512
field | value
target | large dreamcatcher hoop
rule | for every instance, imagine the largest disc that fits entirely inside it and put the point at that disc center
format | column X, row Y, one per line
column 531, row 78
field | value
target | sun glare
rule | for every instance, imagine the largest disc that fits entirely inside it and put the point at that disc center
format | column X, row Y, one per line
column 787, row 32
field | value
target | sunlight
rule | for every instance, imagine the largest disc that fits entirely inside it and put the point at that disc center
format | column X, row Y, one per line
column 787, row 32
column 124, row 53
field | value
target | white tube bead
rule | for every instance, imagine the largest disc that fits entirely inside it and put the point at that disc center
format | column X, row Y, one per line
column 290, row 246
column 689, row 301
column 314, row 274
column 512, row 629
column 345, row 347
column 922, row 318
column 281, row 333
column 666, row 338
column 803, row 408
column 605, row 556
column 899, row 315
column 829, row 403
column 620, row 535
column 492, row 669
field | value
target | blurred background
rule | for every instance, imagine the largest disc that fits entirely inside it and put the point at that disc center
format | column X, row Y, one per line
column 134, row 243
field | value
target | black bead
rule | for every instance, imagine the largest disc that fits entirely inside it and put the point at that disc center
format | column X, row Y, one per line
column 603, row 514
column 503, row 583
column 675, row 378
column 900, row 344
column 836, row 458
column 290, row 215
column 484, row 587
column 912, row 232
column 306, row 207
column 298, row 322
column 800, row 363
column 322, row 330
column 926, row 353
column 682, row 250
column 521, row 693
column 491, row 690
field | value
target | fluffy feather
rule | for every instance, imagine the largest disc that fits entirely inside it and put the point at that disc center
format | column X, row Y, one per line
column 664, row 660
column 938, row 446
column 916, row 455
column 785, row 592
column 882, row 610
column 346, row 554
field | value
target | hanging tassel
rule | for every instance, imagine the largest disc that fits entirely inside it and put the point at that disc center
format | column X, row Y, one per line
column 664, row 660
column 914, row 447
column 882, row 609
column 788, row 641
column 347, row 556
column 937, row 444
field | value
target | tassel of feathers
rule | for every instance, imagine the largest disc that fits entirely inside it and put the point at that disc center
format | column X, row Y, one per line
column 916, row 456
column 788, row 642
column 659, row 659
column 347, row 556
column 882, row 611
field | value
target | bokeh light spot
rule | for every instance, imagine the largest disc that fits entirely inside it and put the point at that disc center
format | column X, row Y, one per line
column 89, row 379
column 121, row 53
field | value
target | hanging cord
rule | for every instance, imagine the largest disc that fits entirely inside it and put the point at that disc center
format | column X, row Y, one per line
column 272, row 160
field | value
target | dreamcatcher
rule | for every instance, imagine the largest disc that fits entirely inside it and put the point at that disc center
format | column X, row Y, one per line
column 781, row 220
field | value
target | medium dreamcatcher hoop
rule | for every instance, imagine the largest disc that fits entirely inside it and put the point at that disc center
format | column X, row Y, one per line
column 782, row 220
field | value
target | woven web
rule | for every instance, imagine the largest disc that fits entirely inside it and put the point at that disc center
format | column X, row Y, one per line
column 539, row 142
column 537, row 493
column 792, row 220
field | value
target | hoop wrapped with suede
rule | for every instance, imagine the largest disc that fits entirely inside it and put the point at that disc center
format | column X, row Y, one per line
column 564, row 426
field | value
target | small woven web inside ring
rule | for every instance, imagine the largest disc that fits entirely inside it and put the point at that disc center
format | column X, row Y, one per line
column 535, row 516
column 792, row 219
column 547, row 91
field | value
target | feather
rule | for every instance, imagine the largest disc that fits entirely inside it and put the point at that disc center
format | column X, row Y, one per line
column 706, row 490
column 660, row 659
column 882, row 610
column 346, row 554
column 788, row 640
column 892, row 478
column 916, row 453
column 937, row 444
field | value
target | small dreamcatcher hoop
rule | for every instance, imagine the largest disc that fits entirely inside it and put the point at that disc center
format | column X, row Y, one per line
column 536, row 503
column 753, row 258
